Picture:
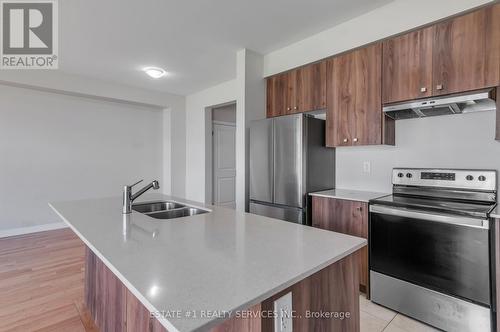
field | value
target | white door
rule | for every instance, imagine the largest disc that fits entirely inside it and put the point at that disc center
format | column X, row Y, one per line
column 224, row 160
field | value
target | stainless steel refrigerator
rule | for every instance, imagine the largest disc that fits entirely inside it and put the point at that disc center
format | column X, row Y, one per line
column 288, row 159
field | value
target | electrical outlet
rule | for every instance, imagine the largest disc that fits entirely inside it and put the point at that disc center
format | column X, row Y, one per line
column 283, row 310
column 367, row 167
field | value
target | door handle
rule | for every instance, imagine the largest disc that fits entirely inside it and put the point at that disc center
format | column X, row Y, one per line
column 435, row 217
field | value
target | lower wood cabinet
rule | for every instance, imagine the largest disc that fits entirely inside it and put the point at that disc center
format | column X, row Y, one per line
column 348, row 217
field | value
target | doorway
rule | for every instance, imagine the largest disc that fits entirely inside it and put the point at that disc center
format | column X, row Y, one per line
column 224, row 156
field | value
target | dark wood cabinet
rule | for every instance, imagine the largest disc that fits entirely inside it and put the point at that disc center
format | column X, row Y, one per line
column 296, row 91
column 310, row 88
column 276, row 95
column 458, row 55
column 354, row 99
column 348, row 217
column 466, row 52
column 407, row 66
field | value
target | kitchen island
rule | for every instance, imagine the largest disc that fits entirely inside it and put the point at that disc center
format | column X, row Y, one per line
column 217, row 271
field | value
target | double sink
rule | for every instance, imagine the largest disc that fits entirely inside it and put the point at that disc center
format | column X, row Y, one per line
column 166, row 209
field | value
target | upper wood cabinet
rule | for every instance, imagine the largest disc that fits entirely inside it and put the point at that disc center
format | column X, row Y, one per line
column 466, row 52
column 457, row 55
column 276, row 95
column 299, row 90
column 407, row 66
column 354, row 98
column 311, row 87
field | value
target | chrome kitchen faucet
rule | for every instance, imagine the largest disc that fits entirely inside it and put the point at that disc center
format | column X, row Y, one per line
column 129, row 198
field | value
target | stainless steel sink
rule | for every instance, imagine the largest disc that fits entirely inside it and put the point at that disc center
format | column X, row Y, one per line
column 177, row 213
column 166, row 209
column 149, row 207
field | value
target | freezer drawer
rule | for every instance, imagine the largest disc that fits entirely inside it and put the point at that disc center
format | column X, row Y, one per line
column 291, row 214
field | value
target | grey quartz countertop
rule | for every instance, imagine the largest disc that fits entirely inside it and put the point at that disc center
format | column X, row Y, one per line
column 348, row 194
column 223, row 260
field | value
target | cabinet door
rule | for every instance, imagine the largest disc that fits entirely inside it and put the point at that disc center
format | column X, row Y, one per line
column 407, row 66
column 466, row 52
column 311, row 87
column 354, row 114
column 340, row 101
column 367, row 120
column 276, row 95
column 346, row 217
column 291, row 92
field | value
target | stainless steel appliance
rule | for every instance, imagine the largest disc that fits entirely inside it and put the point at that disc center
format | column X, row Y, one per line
column 288, row 159
column 483, row 100
column 430, row 247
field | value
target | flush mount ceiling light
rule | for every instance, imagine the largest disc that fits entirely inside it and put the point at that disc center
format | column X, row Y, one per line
column 155, row 72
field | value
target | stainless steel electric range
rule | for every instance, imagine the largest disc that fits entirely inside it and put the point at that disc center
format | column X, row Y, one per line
column 431, row 251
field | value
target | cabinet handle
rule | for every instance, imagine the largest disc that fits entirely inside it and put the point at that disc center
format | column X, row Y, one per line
column 295, row 108
column 359, row 208
column 346, row 140
column 288, row 108
column 355, row 139
column 439, row 87
column 424, row 89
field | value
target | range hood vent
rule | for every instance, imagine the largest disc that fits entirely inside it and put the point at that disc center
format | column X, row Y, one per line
column 477, row 101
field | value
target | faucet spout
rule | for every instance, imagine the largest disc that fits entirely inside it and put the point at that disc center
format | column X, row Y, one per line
column 129, row 198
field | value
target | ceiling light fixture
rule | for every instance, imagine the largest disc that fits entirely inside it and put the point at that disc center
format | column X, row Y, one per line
column 155, row 72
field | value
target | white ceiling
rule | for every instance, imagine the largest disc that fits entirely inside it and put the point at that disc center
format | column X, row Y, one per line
column 194, row 40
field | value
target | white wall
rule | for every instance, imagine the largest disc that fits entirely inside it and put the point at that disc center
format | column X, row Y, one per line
column 251, row 105
column 58, row 147
column 455, row 141
column 393, row 18
column 196, row 135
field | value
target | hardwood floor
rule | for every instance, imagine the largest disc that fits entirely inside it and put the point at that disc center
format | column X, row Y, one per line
column 41, row 283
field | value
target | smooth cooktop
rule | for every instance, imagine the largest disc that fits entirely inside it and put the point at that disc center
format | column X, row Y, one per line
column 475, row 209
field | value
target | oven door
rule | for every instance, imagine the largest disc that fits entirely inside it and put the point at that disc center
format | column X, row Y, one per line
column 445, row 253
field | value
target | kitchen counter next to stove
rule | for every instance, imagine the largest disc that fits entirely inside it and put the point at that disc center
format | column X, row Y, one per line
column 349, row 195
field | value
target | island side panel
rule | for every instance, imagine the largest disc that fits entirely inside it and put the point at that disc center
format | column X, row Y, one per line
column 333, row 289
column 105, row 295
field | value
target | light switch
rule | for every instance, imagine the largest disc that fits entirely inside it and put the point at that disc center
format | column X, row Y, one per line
column 283, row 310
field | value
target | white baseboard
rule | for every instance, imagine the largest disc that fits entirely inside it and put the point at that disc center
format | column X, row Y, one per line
column 31, row 229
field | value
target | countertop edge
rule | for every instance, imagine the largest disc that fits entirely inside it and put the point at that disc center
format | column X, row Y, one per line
column 348, row 197
column 165, row 322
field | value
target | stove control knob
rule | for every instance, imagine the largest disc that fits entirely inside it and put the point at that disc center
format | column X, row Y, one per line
column 409, row 175
column 482, row 178
column 469, row 177
column 400, row 175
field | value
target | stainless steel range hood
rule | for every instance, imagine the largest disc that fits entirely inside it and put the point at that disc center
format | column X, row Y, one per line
column 476, row 101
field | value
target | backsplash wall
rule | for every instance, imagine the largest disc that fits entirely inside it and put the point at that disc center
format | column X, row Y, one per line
column 455, row 141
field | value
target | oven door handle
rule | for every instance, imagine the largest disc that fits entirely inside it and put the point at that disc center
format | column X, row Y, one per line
column 436, row 217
